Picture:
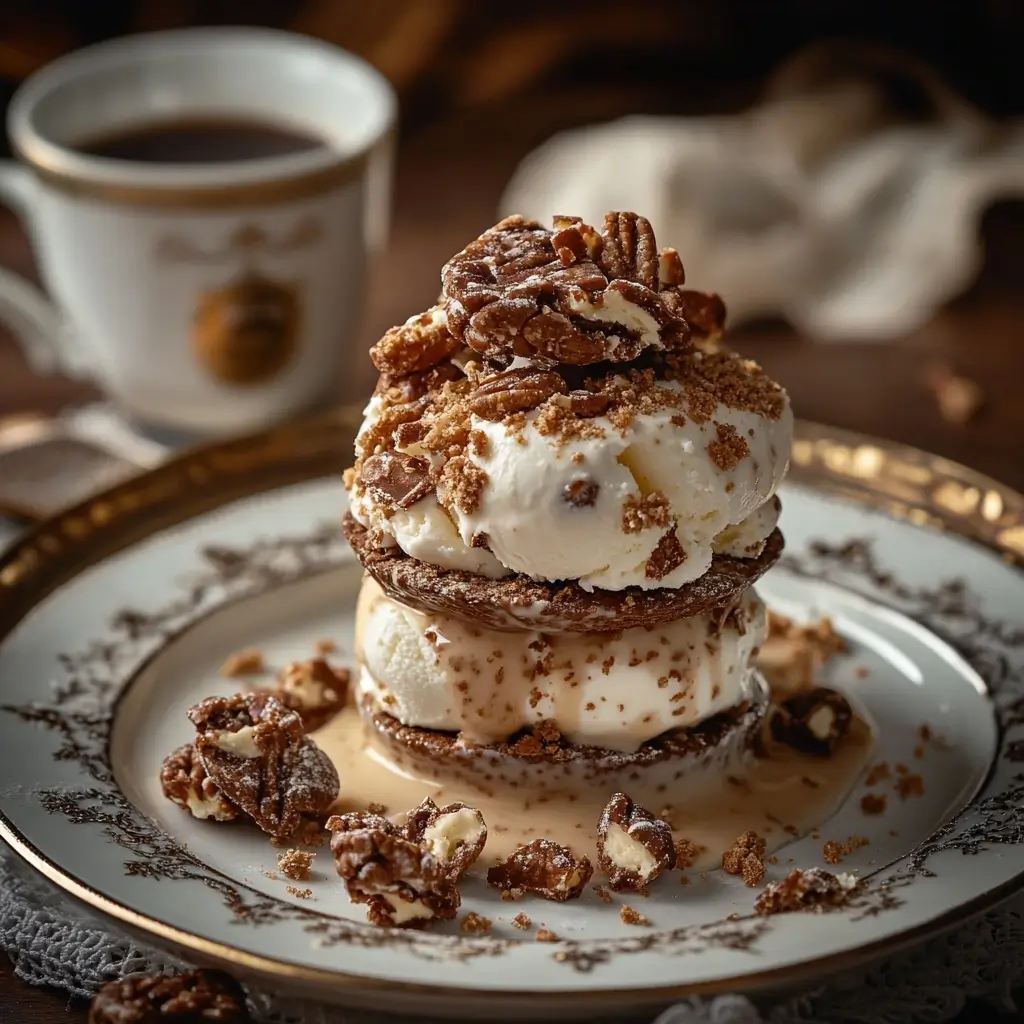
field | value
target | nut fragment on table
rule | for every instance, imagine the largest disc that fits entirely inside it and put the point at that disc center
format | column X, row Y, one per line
column 813, row 722
column 314, row 689
column 255, row 751
column 812, row 889
column 633, row 846
column 193, row 997
column 401, row 882
column 959, row 398
column 184, row 782
column 545, row 868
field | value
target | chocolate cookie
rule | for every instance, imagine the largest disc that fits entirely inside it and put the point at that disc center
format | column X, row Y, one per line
column 518, row 602
column 543, row 762
column 255, row 751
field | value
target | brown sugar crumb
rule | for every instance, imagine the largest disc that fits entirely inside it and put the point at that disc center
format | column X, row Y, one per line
column 603, row 894
column 375, row 808
column 909, row 785
column 746, row 857
column 325, row 647
column 729, row 449
column 959, row 398
column 645, row 512
column 272, row 875
column 475, row 924
column 925, row 732
column 861, row 672
column 919, row 752
column 873, row 803
column 630, row 916
column 302, row 894
column 522, row 922
column 834, row 852
column 461, row 485
column 295, row 864
column 243, row 663
column 879, row 773
column 687, row 853
column 546, row 935
column 510, row 895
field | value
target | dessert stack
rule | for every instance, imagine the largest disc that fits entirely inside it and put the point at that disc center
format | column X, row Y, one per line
column 564, row 488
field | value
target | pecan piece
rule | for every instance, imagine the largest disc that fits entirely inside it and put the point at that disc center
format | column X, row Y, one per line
column 194, row 997
column 420, row 343
column 811, row 889
column 402, row 883
column 514, row 391
column 545, row 868
column 255, row 751
column 454, row 834
column 813, row 722
column 184, row 782
column 396, row 480
column 629, row 249
column 633, row 846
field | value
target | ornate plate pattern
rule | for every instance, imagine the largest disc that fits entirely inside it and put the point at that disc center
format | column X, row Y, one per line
column 114, row 616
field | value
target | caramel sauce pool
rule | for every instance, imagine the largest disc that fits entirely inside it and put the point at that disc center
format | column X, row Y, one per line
column 781, row 796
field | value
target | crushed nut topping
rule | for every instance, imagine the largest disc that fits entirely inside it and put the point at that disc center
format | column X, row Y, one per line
column 813, row 889
column 633, row 846
column 630, row 916
column 746, row 857
column 545, row 868
column 295, row 864
column 475, row 924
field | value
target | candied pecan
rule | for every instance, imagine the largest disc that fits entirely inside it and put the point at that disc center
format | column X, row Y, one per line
column 417, row 345
column 589, row 403
column 633, row 846
column 313, row 689
column 396, row 480
column 454, row 834
column 514, row 391
column 813, row 722
column 704, row 312
column 545, row 868
column 570, row 296
column 402, row 883
column 184, row 782
column 255, row 751
column 193, row 997
column 810, row 889
column 629, row 250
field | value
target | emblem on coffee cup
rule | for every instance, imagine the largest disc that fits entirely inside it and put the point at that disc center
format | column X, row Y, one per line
column 247, row 332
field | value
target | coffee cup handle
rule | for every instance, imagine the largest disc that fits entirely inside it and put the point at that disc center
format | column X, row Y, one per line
column 36, row 323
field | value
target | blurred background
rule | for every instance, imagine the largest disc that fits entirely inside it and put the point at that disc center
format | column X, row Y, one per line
column 482, row 84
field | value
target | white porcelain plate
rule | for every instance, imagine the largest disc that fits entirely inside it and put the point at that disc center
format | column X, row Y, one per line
column 115, row 617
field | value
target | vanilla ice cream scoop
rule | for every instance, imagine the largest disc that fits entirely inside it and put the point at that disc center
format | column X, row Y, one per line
column 636, row 482
column 613, row 690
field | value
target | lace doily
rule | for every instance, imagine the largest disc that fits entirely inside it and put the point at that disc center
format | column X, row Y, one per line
column 53, row 941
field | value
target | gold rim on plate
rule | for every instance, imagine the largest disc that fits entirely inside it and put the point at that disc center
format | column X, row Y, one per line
column 903, row 482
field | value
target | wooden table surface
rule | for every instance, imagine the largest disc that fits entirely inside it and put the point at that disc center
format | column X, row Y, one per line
column 444, row 198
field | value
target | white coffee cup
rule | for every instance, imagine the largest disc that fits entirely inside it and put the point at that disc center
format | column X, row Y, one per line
column 206, row 297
